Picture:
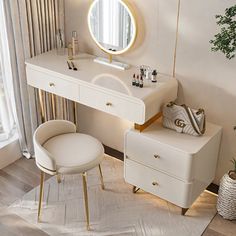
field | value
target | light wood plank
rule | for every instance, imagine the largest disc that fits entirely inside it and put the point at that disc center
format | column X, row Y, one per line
column 12, row 224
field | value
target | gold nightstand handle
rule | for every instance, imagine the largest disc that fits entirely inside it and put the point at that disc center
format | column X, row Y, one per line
column 109, row 104
column 51, row 84
column 157, row 156
column 154, row 183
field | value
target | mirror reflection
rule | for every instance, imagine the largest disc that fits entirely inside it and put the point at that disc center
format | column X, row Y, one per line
column 111, row 25
column 111, row 82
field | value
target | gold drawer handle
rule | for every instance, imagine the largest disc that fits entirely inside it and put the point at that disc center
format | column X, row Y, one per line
column 109, row 104
column 51, row 84
column 157, row 156
column 154, row 183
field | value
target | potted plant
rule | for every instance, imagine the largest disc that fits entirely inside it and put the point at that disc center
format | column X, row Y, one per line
column 232, row 173
column 226, row 204
column 225, row 40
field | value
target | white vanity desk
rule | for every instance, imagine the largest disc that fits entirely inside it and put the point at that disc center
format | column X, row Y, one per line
column 100, row 87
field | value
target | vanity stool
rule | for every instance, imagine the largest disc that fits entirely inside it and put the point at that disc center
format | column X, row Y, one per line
column 60, row 150
column 176, row 167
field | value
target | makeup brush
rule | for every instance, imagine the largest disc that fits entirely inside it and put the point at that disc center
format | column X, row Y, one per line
column 69, row 65
column 73, row 66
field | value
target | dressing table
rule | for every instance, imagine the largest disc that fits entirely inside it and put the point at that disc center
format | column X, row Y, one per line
column 98, row 86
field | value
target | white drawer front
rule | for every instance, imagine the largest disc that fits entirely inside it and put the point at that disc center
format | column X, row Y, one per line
column 158, row 155
column 112, row 104
column 159, row 184
column 53, row 84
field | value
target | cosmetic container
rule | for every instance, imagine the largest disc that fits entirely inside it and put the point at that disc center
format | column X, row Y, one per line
column 60, row 42
column 137, row 81
column 75, row 44
column 70, row 52
column 141, row 82
column 133, row 80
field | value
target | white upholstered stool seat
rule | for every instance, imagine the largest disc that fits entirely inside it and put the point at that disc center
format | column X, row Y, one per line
column 74, row 153
column 60, row 150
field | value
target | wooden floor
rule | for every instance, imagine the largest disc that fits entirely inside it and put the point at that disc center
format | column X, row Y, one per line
column 23, row 175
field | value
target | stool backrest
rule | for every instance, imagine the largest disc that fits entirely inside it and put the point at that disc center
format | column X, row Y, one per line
column 43, row 133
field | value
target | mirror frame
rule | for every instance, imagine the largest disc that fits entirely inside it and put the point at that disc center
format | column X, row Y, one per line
column 133, row 20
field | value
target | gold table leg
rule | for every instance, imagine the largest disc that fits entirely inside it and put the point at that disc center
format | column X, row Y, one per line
column 58, row 178
column 101, row 176
column 40, row 195
column 86, row 199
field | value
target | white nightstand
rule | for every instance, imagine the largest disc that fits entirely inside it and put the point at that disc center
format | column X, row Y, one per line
column 176, row 167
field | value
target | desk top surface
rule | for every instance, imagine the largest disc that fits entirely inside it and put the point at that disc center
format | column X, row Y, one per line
column 104, row 77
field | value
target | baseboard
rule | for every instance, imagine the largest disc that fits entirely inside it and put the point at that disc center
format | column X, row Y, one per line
column 114, row 153
column 214, row 188
column 9, row 153
column 120, row 155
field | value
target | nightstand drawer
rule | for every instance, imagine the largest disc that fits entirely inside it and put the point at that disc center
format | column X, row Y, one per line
column 158, row 183
column 158, row 155
column 112, row 104
column 53, row 84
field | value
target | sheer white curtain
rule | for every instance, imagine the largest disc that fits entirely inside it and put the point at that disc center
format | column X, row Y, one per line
column 7, row 123
column 30, row 27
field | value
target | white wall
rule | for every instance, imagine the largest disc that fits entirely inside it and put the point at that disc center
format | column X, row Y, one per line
column 206, row 79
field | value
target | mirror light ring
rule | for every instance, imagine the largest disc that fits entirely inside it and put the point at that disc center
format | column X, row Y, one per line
column 133, row 20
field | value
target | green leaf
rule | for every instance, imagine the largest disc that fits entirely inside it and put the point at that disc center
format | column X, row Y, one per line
column 225, row 41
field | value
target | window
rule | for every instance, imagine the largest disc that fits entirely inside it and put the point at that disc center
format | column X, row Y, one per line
column 7, row 124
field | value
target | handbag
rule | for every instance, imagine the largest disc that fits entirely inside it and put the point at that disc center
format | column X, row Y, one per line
column 184, row 119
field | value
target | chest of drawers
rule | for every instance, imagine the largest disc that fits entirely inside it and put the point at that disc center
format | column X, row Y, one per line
column 176, row 167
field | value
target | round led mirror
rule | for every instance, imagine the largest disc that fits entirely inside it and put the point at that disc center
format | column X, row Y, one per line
column 112, row 25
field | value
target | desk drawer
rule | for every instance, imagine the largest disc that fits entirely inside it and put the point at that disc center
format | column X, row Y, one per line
column 159, row 156
column 112, row 104
column 159, row 184
column 53, row 84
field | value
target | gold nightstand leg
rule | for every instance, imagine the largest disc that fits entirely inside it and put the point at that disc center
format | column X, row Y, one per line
column 40, row 195
column 101, row 176
column 86, row 199
column 58, row 178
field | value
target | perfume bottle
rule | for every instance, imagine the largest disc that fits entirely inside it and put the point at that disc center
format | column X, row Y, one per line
column 141, row 82
column 133, row 80
column 137, row 81
column 75, row 44
column 60, row 42
column 70, row 51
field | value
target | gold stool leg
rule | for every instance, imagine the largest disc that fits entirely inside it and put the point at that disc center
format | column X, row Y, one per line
column 86, row 199
column 40, row 195
column 58, row 178
column 101, row 176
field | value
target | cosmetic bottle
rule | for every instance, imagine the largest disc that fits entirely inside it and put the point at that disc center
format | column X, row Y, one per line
column 137, row 81
column 60, row 42
column 133, row 80
column 70, row 52
column 75, row 44
column 154, row 76
column 141, row 82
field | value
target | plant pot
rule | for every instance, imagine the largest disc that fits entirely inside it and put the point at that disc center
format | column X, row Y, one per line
column 226, row 204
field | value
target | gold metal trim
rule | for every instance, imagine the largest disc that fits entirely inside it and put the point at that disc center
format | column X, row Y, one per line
column 101, row 177
column 40, row 195
column 147, row 123
column 46, row 168
column 176, row 38
column 58, row 178
column 86, row 199
column 133, row 20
